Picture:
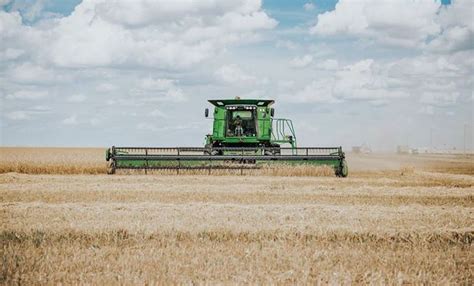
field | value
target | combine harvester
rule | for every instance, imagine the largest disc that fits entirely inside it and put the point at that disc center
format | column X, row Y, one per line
column 245, row 136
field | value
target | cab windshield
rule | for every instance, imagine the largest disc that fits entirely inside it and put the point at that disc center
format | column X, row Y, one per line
column 241, row 123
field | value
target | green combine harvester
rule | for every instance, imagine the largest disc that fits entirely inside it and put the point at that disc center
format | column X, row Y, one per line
column 245, row 135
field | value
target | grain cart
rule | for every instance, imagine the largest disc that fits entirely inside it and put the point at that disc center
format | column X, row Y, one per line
column 245, row 135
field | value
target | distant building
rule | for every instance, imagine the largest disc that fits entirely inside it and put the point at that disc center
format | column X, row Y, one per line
column 403, row 149
column 364, row 149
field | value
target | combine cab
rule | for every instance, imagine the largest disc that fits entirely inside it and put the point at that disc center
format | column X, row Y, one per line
column 248, row 123
column 245, row 135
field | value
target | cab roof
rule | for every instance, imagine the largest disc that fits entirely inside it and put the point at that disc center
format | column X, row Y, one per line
column 258, row 102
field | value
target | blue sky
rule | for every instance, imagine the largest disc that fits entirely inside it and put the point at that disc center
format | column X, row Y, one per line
column 100, row 73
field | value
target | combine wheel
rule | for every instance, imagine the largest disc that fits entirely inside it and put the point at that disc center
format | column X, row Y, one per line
column 111, row 167
column 342, row 170
column 209, row 151
column 273, row 151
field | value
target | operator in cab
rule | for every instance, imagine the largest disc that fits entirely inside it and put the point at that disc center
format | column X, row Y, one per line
column 239, row 131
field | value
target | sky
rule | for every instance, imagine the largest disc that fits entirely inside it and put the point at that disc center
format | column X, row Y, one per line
column 120, row 72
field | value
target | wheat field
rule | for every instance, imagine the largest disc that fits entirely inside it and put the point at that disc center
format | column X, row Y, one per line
column 394, row 220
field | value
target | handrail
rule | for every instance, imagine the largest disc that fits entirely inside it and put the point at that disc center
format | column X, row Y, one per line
column 280, row 134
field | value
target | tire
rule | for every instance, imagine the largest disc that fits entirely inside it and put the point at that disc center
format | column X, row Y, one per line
column 207, row 151
column 111, row 167
column 343, row 170
column 210, row 151
column 274, row 151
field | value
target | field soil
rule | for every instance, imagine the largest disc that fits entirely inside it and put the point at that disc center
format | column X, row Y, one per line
column 394, row 220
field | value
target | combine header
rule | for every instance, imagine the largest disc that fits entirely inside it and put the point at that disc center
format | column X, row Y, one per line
column 245, row 136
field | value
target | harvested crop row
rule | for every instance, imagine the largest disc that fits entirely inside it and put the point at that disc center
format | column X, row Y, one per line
column 121, row 257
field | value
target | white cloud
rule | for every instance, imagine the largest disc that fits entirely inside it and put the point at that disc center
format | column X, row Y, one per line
column 453, row 39
column 234, row 74
column 150, row 12
column 27, row 94
column 237, row 22
column 106, row 87
column 41, row 108
column 407, row 23
column 4, row 2
column 158, row 89
column 30, row 73
column 17, row 39
column 309, row 6
column 457, row 25
column 32, row 10
column 94, row 121
column 440, row 81
column 147, row 126
column 77, row 98
column 166, row 34
column 173, row 94
column 28, row 113
column 157, row 113
column 328, row 64
column 365, row 80
column 404, row 23
column 287, row 44
column 156, row 84
column 301, row 62
column 10, row 24
column 11, row 54
column 439, row 98
column 71, row 120
column 426, row 110
column 18, row 115
column 317, row 91
column 285, row 84
column 253, row 94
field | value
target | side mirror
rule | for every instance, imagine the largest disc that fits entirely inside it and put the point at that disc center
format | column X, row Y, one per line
column 206, row 112
column 272, row 112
